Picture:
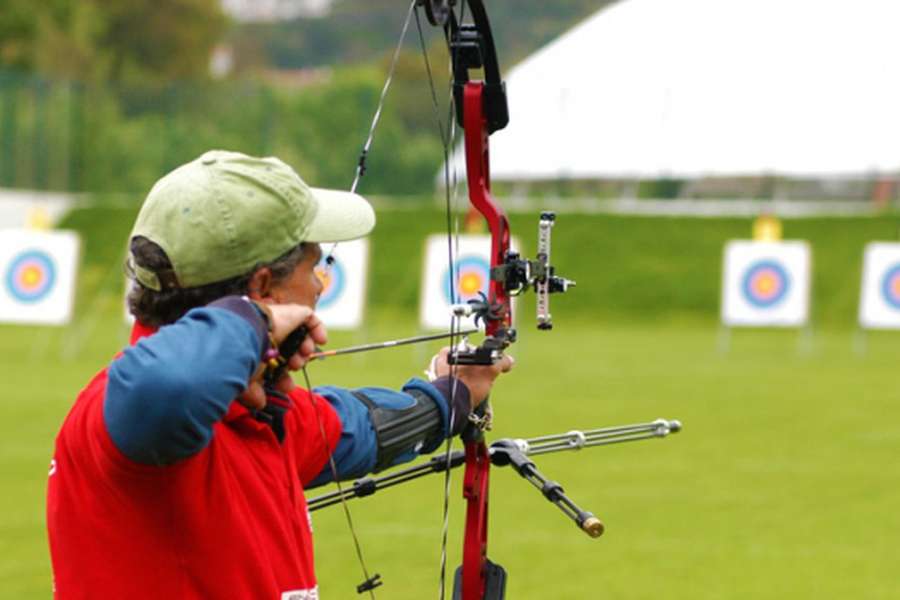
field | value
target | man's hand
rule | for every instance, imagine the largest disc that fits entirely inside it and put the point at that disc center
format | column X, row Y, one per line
column 284, row 319
column 478, row 378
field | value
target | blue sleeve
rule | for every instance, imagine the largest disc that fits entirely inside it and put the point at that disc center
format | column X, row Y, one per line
column 166, row 392
column 356, row 454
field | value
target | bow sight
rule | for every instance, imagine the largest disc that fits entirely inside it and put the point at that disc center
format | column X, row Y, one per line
column 481, row 110
column 515, row 275
column 518, row 274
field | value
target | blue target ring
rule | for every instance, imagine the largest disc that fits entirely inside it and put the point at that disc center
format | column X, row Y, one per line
column 473, row 274
column 766, row 283
column 30, row 276
column 890, row 286
column 333, row 281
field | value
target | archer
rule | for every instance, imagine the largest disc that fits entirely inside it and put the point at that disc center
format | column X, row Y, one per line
column 181, row 469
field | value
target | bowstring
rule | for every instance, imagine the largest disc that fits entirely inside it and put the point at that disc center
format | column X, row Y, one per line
column 364, row 153
column 334, row 473
column 448, row 138
column 451, row 190
column 329, row 261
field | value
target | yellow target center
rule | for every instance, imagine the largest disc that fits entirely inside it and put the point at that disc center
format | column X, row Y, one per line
column 765, row 284
column 31, row 277
column 470, row 284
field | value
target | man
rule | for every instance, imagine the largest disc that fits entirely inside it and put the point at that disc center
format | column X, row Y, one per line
column 181, row 468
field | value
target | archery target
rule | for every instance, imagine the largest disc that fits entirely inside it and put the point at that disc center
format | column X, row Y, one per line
column 331, row 275
column 441, row 288
column 879, row 306
column 890, row 286
column 341, row 302
column 38, row 276
column 30, row 276
column 473, row 276
column 766, row 284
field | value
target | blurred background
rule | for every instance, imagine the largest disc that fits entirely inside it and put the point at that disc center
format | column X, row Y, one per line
column 658, row 130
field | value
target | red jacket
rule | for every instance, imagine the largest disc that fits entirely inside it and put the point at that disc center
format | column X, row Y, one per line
column 229, row 522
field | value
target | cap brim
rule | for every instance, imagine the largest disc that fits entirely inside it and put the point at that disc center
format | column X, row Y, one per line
column 341, row 216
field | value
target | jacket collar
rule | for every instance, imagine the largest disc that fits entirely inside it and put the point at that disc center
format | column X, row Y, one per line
column 139, row 330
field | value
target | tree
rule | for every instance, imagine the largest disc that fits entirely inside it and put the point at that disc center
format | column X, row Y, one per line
column 130, row 40
column 161, row 39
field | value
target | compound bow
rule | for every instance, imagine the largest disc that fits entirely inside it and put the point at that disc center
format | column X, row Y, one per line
column 481, row 109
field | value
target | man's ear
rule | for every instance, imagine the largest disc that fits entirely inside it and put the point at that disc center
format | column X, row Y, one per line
column 260, row 285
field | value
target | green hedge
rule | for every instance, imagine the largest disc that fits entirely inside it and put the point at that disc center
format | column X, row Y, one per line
column 634, row 268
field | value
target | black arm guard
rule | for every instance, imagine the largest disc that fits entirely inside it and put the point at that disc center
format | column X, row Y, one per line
column 401, row 430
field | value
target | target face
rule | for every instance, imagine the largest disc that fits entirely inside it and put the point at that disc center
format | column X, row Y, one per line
column 765, row 284
column 37, row 276
column 342, row 299
column 30, row 276
column 333, row 278
column 444, row 285
column 890, row 287
column 879, row 302
column 473, row 277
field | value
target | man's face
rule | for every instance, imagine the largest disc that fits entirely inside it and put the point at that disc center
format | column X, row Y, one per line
column 303, row 285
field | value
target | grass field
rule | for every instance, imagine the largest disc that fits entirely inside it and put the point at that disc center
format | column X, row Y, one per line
column 783, row 483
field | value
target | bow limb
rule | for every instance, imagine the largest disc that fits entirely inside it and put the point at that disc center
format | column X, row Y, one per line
column 482, row 109
column 477, row 144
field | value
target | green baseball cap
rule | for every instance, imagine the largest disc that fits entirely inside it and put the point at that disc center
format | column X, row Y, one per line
column 225, row 212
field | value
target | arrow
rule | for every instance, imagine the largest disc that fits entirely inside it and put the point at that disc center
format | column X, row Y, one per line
column 391, row 343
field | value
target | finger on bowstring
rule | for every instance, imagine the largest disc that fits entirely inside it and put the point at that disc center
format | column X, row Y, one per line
column 296, row 362
column 285, row 384
column 254, row 396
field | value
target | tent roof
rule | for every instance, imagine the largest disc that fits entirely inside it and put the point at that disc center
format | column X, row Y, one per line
column 693, row 88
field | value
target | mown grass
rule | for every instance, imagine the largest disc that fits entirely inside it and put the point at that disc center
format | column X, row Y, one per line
column 782, row 484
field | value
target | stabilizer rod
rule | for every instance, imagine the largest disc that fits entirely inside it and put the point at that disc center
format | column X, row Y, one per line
column 576, row 440
column 369, row 485
column 507, row 452
column 573, row 440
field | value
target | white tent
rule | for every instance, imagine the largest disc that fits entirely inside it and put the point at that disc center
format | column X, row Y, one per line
column 695, row 88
